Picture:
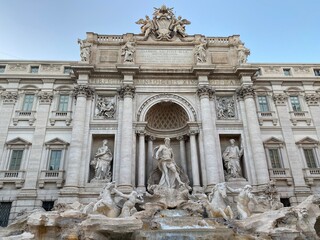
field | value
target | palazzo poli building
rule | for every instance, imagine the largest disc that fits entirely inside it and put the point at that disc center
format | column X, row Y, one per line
column 135, row 90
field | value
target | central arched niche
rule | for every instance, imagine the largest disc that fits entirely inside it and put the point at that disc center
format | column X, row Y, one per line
column 167, row 119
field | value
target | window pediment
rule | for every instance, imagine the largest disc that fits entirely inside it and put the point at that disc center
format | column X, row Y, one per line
column 56, row 142
column 273, row 142
column 307, row 141
column 18, row 141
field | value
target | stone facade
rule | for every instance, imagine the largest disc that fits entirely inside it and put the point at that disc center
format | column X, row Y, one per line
column 134, row 90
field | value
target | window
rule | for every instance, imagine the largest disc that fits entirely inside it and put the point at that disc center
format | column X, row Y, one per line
column 67, row 70
column 34, row 69
column 28, row 102
column 2, row 69
column 63, row 103
column 295, row 103
column 15, row 161
column 263, row 104
column 316, row 72
column 275, row 158
column 55, row 158
column 285, row 202
column 5, row 208
column 48, row 205
column 287, row 71
column 310, row 158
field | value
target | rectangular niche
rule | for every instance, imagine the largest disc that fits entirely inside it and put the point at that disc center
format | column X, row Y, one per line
column 224, row 144
column 97, row 142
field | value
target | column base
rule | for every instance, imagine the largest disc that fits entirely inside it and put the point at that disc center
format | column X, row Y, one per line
column 197, row 189
column 125, row 188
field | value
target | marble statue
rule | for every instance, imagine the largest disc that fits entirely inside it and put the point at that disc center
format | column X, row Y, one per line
column 225, row 108
column 272, row 195
column 218, row 202
column 127, row 51
column 106, row 204
column 243, row 199
column 167, row 165
column 231, row 157
column 243, row 54
column 179, row 26
column 147, row 26
column 128, row 208
column 102, row 162
column 200, row 52
column 85, row 50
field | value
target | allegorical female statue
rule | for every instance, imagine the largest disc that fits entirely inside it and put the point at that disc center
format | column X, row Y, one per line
column 102, row 162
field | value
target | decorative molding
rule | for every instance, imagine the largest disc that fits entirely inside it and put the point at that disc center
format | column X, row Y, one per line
column 127, row 91
column 50, row 68
column 272, row 69
column 83, row 90
column 301, row 69
column 18, row 67
column 9, row 97
column 45, row 97
column 205, row 91
column 280, row 98
column 312, row 99
column 245, row 91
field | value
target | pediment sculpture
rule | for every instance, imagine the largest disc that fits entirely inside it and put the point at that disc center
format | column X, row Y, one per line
column 164, row 25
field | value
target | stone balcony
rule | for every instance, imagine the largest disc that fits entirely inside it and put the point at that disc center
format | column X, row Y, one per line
column 51, row 176
column 281, row 174
column 60, row 116
column 24, row 116
column 300, row 116
column 12, row 176
column 311, row 174
column 267, row 117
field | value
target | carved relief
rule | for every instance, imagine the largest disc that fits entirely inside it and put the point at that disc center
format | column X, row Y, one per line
column 45, row 97
column 200, row 52
column 225, row 108
column 18, row 67
column 272, row 69
column 9, row 97
column 83, row 90
column 164, row 25
column 301, row 69
column 280, row 99
column 50, row 68
column 106, row 107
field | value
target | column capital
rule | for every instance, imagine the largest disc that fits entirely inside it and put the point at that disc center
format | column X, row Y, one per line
column 280, row 98
column 45, row 97
column 193, row 132
column 312, row 99
column 127, row 91
column 140, row 131
column 181, row 138
column 9, row 97
column 205, row 91
column 151, row 138
column 245, row 91
column 83, row 90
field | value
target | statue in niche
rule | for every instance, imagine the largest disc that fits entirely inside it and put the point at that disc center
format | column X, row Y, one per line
column 244, row 197
column 85, row 50
column 102, row 162
column 106, row 107
column 200, row 52
column 127, row 51
column 231, row 157
column 225, row 108
column 167, row 165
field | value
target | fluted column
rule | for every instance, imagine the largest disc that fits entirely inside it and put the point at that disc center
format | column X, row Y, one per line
column 208, row 136
column 126, row 158
column 259, row 158
column 194, row 161
column 81, row 92
column 142, row 161
column 183, row 160
column 150, row 166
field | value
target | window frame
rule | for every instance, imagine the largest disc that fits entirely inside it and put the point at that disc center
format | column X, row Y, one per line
column 272, row 162
column 308, row 143
column 11, row 159
column 52, row 145
column 287, row 72
column 34, row 67
column 316, row 72
column 2, row 68
column 29, row 104
column 266, row 102
column 64, row 103
column 274, row 143
column 293, row 105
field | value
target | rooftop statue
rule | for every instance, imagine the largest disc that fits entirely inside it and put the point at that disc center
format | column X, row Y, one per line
column 164, row 25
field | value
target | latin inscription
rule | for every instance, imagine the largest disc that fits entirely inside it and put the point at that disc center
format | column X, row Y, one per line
column 165, row 56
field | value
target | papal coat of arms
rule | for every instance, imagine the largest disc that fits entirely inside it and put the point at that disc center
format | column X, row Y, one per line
column 164, row 25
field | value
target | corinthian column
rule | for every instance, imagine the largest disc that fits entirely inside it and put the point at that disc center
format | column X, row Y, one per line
column 259, row 159
column 81, row 93
column 126, row 157
column 194, row 161
column 212, row 166
column 142, row 161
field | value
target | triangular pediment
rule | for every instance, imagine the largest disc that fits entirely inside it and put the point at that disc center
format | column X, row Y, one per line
column 56, row 141
column 308, row 140
column 273, row 140
column 18, row 141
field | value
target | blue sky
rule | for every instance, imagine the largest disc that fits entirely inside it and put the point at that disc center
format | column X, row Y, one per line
column 276, row 31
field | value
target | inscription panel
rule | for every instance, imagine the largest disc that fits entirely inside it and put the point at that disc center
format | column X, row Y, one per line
column 167, row 56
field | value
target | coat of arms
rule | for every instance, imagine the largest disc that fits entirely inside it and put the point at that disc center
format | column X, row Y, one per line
column 164, row 25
